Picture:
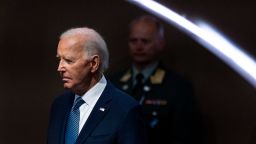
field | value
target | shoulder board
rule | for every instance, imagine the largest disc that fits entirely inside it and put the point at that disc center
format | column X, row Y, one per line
column 126, row 76
column 158, row 77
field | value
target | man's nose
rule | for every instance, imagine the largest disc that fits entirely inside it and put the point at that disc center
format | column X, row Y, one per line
column 139, row 44
column 60, row 66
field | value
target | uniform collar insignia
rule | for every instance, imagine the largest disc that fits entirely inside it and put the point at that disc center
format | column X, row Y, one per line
column 125, row 87
column 158, row 77
column 126, row 76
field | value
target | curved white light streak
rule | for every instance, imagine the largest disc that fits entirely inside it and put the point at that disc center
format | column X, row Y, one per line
column 209, row 38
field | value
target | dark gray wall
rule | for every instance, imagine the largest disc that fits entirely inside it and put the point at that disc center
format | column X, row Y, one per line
column 29, row 33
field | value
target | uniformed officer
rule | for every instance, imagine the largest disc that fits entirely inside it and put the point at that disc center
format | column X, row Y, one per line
column 166, row 97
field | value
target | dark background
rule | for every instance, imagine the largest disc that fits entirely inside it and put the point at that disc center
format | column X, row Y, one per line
column 29, row 31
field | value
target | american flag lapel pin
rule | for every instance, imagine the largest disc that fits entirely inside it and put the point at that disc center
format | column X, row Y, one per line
column 102, row 109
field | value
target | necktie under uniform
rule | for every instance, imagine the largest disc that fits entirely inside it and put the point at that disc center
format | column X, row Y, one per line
column 72, row 129
column 137, row 91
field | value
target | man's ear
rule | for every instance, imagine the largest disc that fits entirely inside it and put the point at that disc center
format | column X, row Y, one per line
column 95, row 63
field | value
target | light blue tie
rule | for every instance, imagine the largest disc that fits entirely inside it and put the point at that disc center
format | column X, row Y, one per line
column 72, row 128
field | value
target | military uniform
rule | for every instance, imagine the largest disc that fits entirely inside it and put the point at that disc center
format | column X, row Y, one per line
column 167, row 100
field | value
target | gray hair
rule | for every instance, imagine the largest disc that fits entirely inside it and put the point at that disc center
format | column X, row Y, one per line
column 93, row 44
column 150, row 19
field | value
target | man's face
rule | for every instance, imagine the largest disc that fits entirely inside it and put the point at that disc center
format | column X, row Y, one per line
column 144, row 43
column 74, row 67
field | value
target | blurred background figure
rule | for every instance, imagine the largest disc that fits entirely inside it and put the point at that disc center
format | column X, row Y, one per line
column 166, row 97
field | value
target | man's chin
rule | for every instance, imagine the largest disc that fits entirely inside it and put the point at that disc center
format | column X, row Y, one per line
column 67, row 86
column 141, row 61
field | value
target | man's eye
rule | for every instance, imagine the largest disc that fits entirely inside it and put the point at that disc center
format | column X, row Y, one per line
column 68, row 61
column 145, row 41
column 133, row 40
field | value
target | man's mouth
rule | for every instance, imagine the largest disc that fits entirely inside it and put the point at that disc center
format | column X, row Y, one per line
column 65, row 79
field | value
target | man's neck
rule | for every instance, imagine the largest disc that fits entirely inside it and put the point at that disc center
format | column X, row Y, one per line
column 88, row 85
column 140, row 67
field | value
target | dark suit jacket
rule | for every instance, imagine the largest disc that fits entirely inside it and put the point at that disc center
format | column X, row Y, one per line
column 169, row 106
column 121, row 122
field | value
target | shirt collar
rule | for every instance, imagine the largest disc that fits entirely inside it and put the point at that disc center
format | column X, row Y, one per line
column 93, row 94
column 146, row 72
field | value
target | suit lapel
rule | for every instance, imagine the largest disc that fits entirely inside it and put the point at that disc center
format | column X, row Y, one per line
column 99, row 111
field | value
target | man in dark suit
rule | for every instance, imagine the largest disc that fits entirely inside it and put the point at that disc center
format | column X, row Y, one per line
column 166, row 97
column 91, row 110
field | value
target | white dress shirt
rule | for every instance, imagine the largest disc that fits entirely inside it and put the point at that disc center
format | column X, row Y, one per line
column 90, row 98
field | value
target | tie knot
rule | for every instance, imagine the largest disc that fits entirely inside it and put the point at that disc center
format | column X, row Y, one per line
column 139, row 77
column 78, row 102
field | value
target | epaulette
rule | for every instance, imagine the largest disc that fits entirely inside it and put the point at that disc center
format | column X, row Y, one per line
column 158, row 77
column 126, row 76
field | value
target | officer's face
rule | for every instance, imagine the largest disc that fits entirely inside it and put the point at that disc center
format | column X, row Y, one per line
column 74, row 66
column 144, row 43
